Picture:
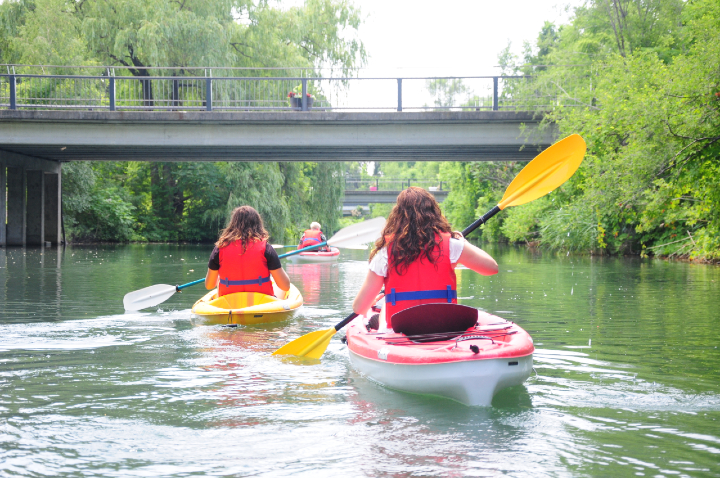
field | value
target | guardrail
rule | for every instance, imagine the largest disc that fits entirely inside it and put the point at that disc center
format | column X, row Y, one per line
column 226, row 90
column 383, row 184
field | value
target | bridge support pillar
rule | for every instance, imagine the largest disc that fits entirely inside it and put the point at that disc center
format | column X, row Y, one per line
column 35, row 222
column 31, row 215
column 53, row 211
column 15, row 206
column 3, row 206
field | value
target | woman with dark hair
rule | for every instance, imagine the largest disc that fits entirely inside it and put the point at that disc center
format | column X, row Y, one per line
column 242, row 260
column 415, row 258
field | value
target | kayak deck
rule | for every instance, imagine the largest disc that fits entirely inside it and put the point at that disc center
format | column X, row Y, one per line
column 248, row 308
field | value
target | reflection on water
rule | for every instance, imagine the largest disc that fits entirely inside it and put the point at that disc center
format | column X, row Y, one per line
column 626, row 381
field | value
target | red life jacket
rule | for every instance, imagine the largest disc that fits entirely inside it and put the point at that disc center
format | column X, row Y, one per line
column 244, row 272
column 311, row 237
column 422, row 283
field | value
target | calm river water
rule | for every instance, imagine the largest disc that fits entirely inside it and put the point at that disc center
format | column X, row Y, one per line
column 627, row 376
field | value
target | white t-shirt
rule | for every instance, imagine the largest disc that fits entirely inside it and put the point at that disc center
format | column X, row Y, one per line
column 379, row 263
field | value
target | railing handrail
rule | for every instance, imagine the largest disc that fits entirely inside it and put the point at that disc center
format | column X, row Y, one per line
column 259, row 78
column 213, row 91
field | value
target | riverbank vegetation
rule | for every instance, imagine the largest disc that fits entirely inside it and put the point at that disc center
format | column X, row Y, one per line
column 639, row 80
column 647, row 74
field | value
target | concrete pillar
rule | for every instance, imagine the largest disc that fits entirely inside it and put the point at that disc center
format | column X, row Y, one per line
column 35, row 221
column 15, row 206
column 53, row 190
column 3, row 206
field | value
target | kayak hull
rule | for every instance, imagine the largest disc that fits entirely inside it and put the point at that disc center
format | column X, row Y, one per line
column 470, row 383
column 329, row 256
column 446, row 368
column 247, row 308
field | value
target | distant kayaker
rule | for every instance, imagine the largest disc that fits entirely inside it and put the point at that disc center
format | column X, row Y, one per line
column 415, row 258
column 312, row 237
column 242, row 260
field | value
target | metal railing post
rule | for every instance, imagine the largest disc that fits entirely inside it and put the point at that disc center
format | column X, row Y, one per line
column 399, row 80
column 208, row 94
column 495, row 93
column 13, row 93
column 440, row 185
column 304, row 95
column 111, row 93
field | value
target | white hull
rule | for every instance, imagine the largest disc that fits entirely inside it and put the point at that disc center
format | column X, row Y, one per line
column 472, row 382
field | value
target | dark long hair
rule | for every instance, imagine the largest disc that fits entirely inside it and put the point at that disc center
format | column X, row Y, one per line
column 244, row 225
column 413, row 227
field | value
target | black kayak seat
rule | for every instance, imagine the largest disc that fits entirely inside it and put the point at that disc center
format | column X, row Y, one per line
column 434, row 319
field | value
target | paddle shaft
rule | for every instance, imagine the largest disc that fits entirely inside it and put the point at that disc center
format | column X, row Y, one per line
column 345, row 321
column 481, row 221
column 180, row 287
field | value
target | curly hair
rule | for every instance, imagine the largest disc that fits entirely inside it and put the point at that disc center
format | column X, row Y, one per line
column 413, row 227
column 245, row 225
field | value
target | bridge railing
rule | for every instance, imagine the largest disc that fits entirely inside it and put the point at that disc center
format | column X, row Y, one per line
column 385, row 184
column 227, row 89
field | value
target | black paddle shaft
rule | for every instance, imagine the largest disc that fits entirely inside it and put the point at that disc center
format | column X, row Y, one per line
column 480, row 221
column 345, row 321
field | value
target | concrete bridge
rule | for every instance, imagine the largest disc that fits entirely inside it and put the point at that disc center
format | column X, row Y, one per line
column 33, row 144
column 273, row 136
column 49, row 120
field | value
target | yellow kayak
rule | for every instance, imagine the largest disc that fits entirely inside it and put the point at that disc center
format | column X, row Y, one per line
column 248, row 308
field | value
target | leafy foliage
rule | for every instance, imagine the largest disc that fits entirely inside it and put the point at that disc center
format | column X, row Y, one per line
column 640, row 81
column 186, row 201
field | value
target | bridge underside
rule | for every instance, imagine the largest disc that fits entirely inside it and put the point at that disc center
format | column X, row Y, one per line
column 290, row 136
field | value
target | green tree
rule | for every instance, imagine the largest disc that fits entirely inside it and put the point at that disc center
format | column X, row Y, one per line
column 646, row 101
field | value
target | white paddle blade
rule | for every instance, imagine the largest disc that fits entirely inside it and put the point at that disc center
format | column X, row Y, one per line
column 148, row 297
column 360, row 247
column 360, row 233
column 277, row 246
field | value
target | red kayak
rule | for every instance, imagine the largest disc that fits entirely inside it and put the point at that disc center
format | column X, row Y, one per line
column 317, row 256
column 449, row 350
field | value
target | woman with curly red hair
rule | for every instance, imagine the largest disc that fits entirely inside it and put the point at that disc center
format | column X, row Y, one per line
column 415, row 258
column 242, row 260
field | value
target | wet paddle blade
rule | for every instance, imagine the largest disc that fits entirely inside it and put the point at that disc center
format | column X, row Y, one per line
column 549, row 170
column 148, row 297
column 360, row 233
column 311, row 345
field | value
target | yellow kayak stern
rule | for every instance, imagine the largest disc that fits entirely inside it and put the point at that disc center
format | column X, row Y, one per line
column 248, row 308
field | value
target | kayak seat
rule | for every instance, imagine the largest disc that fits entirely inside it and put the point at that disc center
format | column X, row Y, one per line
column 434, row 319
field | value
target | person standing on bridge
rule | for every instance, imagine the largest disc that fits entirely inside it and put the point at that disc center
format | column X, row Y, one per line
column 242, row 260
column 313, row 236
column 416, row 256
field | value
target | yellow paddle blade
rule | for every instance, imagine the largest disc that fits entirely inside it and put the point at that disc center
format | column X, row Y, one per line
column 546, row 172
column 311, row 345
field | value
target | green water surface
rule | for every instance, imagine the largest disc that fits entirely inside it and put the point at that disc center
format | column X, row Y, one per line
column 627, row 378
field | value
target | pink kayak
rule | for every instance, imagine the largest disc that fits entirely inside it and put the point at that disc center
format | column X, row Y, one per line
column 470, row 365
column 317, row 256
